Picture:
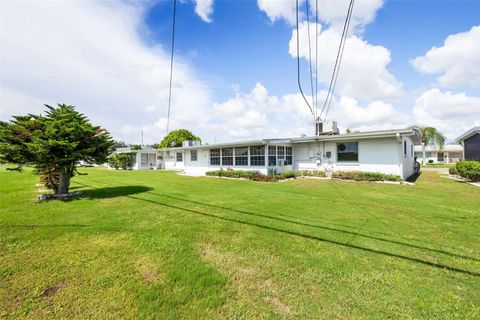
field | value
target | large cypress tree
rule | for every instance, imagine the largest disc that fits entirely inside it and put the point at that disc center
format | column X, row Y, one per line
column 54, row 144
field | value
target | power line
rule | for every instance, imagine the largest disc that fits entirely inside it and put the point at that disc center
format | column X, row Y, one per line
column 310, row 52
column 316, row 58
column 298, row 64
column 339, row 54
column 349, row 16
column 171, row 64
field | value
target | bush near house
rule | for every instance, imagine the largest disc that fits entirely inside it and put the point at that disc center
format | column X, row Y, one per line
column 364, row 176
column 245, row 174
column 469, row 170
column 289, row 174
column 452, row 171
column 121, row 161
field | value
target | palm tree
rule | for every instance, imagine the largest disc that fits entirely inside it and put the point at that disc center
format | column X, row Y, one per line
column 430, row 136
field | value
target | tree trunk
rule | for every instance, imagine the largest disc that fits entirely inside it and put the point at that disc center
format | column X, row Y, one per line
column 64, row 185
column 423, row 151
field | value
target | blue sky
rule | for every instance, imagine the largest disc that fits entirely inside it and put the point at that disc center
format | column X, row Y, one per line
column 235, row 66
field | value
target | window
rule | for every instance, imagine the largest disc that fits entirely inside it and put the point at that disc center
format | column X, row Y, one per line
column 272, row 156
column 193, row 155
column 215, row 157
column 405, row 148
column 288, row 156
column 179, row 157
column 151, row 159
column 257, row 156
column 144, row 159
column 280, row 153
column 347, row 151
column 227, row 156
column 159, row 157
column 241, row 156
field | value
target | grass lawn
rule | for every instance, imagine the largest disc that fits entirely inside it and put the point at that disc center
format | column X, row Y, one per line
column 152, row 244
column 438, row 165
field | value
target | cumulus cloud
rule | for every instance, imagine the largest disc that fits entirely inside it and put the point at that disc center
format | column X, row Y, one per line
column 257, row 114
column 451, row 113
column 377, row 115
column 204, row 8
column 363, row 72
column 279, row 9
column 333, row 12
column 457, row 61
column 91, row 55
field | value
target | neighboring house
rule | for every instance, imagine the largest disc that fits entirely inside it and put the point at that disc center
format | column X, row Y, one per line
column 450, row 153
column 471, row 144
column 386, row 151
column 143, row 159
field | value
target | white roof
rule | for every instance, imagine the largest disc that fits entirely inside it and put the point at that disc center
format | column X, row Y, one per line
column 468, row 134
column 144, row 149
column 337, row 137
column 447, row 147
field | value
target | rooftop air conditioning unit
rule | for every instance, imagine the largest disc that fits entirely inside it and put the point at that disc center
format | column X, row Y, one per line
column 325, row 127
column 190, row 143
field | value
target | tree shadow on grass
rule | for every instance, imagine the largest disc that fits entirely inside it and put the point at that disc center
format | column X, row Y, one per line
column 112, row 192
column 312, row 237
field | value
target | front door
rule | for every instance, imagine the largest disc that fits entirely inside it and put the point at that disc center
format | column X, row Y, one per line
column 440, row 157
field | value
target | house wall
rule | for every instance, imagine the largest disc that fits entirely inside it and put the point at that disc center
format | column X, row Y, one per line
column 374, row 155
column 472, row 148
column 407, row 155
column 449, row 157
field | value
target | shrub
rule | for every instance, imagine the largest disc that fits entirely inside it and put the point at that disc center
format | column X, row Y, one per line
column 452, row 171
column 430, row 161
column 245, row 174
column 469, row 170
column 311, row 173
column 289, row 174
column 364, row 176
column 121, row 161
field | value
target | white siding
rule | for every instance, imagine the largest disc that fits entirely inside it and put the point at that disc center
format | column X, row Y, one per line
column 374, row 155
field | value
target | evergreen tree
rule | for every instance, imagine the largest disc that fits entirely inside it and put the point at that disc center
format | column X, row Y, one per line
column 53, row 144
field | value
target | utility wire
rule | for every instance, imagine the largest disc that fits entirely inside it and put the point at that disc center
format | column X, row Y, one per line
column 349, row 16
column 339, row 53
column 171, row 65
column 298, row 64
column 310, row 54
column 316, row 58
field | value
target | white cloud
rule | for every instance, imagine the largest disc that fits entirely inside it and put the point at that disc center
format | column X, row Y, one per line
column 333, row 12
column 258, row 115
column 90, row 54
column 204, row 8
column 451, row 113
column 279, row 9
column 375, row 116
column 363, row 72
column 457, row 60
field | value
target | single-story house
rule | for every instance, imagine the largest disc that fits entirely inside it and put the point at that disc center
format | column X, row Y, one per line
column 385, row 151
column 450, row 153
column 143, row 159
column 471, row 144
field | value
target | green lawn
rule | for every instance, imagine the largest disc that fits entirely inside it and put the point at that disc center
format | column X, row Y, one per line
column 152, row 244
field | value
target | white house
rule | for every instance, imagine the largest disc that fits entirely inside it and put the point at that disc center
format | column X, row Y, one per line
column 143, row 159
column 450, row 153
column 386, row 151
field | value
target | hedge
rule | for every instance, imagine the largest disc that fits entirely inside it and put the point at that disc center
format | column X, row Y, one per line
column 469, row 170
column 245, row 174
column 364, row 176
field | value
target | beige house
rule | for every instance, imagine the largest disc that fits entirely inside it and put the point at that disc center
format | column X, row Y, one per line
column 450, row 153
